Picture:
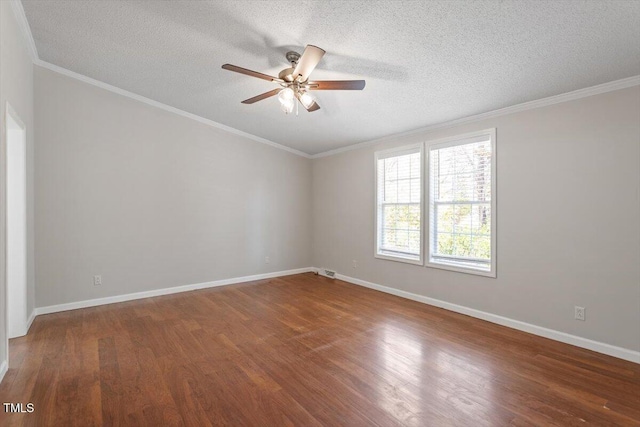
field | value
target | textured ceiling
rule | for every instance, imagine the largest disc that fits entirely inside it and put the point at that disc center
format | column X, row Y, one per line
column 424, row 62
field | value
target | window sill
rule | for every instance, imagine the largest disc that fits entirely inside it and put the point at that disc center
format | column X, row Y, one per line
column 461, row 269
column 400, row 259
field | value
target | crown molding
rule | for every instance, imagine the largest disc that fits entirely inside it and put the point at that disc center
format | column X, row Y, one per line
column 556, row 99
column 25, row 29
column 165, row 107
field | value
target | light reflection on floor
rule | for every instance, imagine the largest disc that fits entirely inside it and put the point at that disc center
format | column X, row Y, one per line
column 400, row 354
column 423, row 371
column 471, row 389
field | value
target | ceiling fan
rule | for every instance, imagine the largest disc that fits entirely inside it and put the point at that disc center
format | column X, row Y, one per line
column 294, row 81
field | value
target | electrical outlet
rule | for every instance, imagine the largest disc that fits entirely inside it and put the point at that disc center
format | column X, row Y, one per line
column 97, row 280
column 355, row 264
column 267, row 260
column 579, row 313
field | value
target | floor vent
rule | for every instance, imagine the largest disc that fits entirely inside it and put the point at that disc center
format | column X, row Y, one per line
column 327, row 273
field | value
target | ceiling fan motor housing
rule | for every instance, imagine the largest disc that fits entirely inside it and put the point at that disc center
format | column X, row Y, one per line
column 293, row 57
column 287, row 74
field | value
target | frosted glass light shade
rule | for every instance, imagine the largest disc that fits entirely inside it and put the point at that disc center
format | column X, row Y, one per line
column 287, row 105
column 286, row 95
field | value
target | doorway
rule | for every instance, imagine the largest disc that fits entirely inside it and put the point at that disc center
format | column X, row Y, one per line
column 16, row 249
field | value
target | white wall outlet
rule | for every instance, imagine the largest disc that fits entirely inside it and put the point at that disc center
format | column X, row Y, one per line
column 267, row 260
column 579, row 313
column 97, row 280
column 355, row 264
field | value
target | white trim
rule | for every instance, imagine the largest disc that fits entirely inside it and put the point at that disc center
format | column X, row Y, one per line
column 399, row 151
column 10, row 112
column 30, row 320
column 399, row 258
column 165, row 291
column 465, row 138
column 165, row 107
column 600, row 347
column 23, row 23
column 544, row 102
column 4, row 367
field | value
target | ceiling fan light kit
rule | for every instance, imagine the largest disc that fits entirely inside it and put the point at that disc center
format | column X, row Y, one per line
column 294, row 81
column 287, row 100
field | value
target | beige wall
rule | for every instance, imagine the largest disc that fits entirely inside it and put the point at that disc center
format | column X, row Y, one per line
column 149, row 199
column 16, row 87
column 568, row 220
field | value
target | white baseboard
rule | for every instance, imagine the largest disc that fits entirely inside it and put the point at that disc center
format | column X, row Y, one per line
column 164, row 291
column 608, row 349
column 3, row 369
column 30, row 320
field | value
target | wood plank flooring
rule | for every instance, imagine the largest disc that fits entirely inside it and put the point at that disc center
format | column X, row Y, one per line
column 304, row 350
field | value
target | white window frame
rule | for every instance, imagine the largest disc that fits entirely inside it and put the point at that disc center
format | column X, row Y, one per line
column 393, row 152
column 427, row 243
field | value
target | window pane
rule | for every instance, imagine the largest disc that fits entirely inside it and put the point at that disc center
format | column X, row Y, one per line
column 413, row 217
column 401, row 216
column 390, row 216
column 403, row 220
column 415, row 166
column 404, row 190
column 404, row 167
column 444, row 244
column 462, row 219
column 461, row 245
column 415, row 190
column 481, row 247
column 444, row 188
column 391, row 191
column 388, row 238
column 443, row 214
column 414, row 241
column 402, row 240
column 481, row 219
column 463, row 186
column 391, row 168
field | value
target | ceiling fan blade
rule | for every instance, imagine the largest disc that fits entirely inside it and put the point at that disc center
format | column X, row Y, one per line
column 311, row 108
column 251, row 73
column 307, row 62
column 337, row 85
column 262, row 96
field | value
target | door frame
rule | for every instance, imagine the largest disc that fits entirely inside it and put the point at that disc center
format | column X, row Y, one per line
column 22, row 323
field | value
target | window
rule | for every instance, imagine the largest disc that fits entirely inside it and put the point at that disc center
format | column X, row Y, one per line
column 399, row 204
column 462, row 203
column 460, row 231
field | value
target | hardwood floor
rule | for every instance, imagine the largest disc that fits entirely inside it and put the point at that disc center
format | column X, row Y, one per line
column 306, row 351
